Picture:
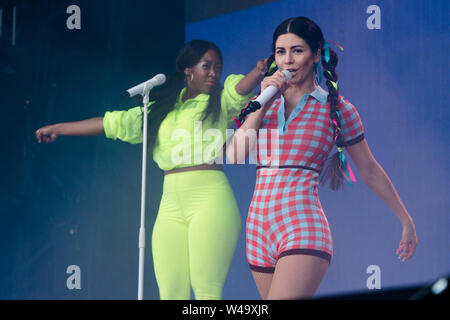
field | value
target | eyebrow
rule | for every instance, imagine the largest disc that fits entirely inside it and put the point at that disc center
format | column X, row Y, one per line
column 209, row 61
column 298, row 45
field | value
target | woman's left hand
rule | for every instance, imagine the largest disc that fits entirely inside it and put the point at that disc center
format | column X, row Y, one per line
column 261, row 65
column 408, row 244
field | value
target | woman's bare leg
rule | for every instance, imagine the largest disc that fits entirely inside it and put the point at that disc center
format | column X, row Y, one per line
column 263, row 281
column 297, row 277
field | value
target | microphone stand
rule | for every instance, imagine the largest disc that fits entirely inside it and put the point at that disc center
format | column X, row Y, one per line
column 146, row 87
column 145, row 101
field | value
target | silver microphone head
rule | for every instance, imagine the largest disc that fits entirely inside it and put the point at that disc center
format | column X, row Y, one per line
column 159, row 79
column 287, row 74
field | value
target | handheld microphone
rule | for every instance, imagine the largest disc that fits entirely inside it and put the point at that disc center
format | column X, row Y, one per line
column 260, row 101
column 269, row 92
column 144, row 87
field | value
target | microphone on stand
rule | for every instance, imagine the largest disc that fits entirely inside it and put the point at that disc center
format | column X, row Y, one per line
column 144, row 87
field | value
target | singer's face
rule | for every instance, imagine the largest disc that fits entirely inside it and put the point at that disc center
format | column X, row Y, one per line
column 294, row 54
column 205, row 74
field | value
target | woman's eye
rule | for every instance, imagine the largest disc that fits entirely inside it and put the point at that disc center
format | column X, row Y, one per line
column 279, row 52
column 298, row 51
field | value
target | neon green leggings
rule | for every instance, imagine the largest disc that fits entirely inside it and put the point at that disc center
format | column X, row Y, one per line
column 195, row 234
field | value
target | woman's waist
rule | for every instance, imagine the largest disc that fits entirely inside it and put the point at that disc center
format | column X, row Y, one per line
column 180, row 158
column 275, row 166
column 214, row 166
column 285, row 183
column 195, row 177
column 289, row 173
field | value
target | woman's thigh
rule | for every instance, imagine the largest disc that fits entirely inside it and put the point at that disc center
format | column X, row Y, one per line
column 170, row 250
column 263, row 282
column 297, row 277
column 171, row 258
column 213, row 234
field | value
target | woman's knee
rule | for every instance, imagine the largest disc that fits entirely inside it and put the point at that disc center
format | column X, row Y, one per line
column 207, row 290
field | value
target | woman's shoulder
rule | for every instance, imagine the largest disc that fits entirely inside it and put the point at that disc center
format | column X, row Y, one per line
column 322, row 94
column 346, row 106
column 232, row 79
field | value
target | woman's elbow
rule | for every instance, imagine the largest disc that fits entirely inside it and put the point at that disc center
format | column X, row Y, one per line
column 370, row 173
column 366, row 178
column 231, row 157
column 230, row 153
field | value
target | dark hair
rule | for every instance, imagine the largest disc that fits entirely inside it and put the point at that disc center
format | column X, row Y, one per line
column 166, row 95
column 309, row 31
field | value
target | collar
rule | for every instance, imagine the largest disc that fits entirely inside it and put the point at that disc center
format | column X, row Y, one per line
column 320, row 95
column 199, row 97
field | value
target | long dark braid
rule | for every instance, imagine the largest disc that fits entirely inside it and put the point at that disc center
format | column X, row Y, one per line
column 333, row 171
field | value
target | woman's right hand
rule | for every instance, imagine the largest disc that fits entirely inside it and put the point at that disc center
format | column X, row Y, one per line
column 46, row 134
column 278, row 80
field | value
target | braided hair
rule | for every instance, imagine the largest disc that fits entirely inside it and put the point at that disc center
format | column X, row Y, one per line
column 165, row 96
column 334, row 171
column 312, row 34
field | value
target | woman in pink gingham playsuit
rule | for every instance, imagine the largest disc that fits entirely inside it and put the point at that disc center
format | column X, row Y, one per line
column 289, row 243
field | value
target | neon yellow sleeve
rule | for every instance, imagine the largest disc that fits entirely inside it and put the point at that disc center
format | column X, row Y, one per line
column 233, row 102
column 124, row 125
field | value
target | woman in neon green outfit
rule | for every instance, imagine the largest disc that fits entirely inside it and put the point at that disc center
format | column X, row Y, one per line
column 198, row 222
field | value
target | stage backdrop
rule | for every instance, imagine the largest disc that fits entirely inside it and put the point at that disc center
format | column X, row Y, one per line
column 394, row 70
column 73, row 207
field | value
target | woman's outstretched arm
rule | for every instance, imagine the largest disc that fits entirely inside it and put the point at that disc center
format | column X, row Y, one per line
column 89, row 127
column 378, row 181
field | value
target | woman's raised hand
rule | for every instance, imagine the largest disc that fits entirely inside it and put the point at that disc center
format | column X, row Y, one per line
column 278, row 80
column 261, row 65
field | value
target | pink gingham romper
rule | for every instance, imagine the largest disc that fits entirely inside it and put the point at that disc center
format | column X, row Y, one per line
column 285, row 216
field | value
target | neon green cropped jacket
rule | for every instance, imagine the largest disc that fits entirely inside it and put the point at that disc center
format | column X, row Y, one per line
column 183, row 139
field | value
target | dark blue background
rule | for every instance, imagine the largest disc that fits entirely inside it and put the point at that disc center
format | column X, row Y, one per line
column 77, row 201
